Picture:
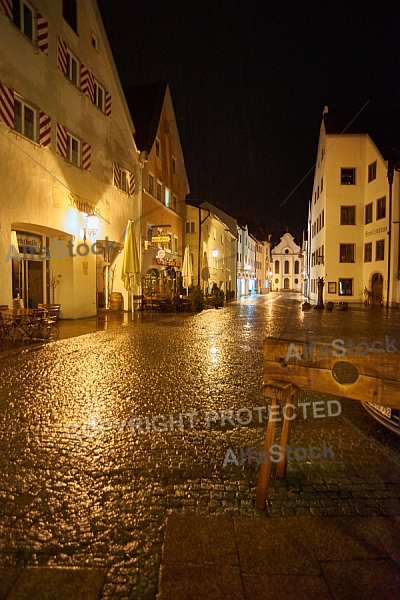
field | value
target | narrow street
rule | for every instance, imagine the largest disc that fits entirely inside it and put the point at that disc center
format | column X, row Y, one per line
column 89, row 475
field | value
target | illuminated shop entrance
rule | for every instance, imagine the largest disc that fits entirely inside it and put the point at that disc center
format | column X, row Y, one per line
column 31, row 274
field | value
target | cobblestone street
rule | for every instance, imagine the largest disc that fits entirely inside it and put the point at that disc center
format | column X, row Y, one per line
column 88, row 480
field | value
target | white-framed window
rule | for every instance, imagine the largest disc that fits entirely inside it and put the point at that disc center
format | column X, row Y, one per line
column 74, row 150
column 99, row 95
column 72, row 68
column 24, row 18
column 151, row 184
column 158, row 148
column 190, row 227
column 159, row 189
column 25, row 119
column 167, row 197
column 124, row 180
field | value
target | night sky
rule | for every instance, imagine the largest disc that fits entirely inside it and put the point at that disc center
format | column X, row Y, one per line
column 249, row 81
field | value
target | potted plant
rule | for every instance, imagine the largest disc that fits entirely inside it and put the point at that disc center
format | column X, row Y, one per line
column 196, row 299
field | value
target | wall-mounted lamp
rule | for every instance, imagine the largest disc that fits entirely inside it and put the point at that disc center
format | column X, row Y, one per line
column 92, row 226
column 214, row 253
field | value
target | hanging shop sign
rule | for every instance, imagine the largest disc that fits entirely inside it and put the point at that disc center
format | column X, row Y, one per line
column 161, row 254
column 161, row 239
column 168, row 262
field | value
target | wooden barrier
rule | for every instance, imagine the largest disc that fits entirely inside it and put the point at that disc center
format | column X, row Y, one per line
column 373, row 377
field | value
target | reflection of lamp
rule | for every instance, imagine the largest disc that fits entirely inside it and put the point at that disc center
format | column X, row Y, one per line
column 214, row 253
column 92, row 226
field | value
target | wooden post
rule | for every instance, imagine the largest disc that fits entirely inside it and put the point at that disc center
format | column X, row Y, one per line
column 265, row 471
column 275, row 391
column 285, row 437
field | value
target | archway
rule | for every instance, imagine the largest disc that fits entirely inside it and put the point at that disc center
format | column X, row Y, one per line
column 377, row 287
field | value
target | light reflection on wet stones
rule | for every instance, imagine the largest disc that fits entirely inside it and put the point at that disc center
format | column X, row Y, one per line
column 104, row 500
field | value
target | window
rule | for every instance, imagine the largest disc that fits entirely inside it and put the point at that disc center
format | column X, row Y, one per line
column 158, row 148
column 72, row 68
column 124, row 180
column 347, row 253
column 99, row 95
column 322, row 184
column 372, row 171
column 277, row 267
column 345, row 287
column 190, row 227
column 25, row 119
column 214, row 233
column 95, row 41
column 167, row 197
column 380, row 250
column 368, row 252
column 151, row 184
column 368, row 213
column 70, row 14
column 159, row 190
column 173, row 166
column 176, row 246
column 348, row 176
column 74, row 150
column 323, row 218
column 286, row 267
column 23, row 18
column 347, row 215
column 174, row 202
column 381, row 208
column 296, row 267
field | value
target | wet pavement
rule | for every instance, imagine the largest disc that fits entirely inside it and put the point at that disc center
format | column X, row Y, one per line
column 90, row 475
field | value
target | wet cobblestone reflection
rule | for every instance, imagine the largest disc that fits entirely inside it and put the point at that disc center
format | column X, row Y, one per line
column 102, row 500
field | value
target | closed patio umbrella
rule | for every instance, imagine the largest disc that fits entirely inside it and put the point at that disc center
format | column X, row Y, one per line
column 187, row 271
column 130, row 265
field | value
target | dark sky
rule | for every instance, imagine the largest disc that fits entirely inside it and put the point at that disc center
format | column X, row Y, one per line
column 249, row 81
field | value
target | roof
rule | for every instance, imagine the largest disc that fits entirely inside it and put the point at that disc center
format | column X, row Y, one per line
column 383, row 127
column 145, row 103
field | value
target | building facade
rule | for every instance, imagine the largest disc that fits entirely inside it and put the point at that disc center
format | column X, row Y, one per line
column 287, row 265
column 210, row 246
column 68, row 162
column 164, row 186
column 352, row 206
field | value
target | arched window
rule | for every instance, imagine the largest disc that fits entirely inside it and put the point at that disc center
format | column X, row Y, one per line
column 296, row 267
column 286, row 267
column 277, row 267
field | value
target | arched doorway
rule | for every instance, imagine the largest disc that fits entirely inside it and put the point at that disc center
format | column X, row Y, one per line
column 377, row 286
column 286, row 283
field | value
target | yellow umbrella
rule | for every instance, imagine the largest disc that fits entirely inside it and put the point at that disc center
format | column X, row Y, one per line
column 187, row 271
column 130, row 265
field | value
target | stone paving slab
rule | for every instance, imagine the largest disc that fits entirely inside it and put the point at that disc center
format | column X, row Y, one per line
column 319, row 558
column 51, row 583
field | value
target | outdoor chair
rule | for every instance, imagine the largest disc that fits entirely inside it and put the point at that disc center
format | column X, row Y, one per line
column 3, row 307
column 50, row 321
column 35, row 325
column 6, row 326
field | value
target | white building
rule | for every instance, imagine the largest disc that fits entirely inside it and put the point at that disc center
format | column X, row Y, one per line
column 350, row 210
column 287, row 265
column 66, row 153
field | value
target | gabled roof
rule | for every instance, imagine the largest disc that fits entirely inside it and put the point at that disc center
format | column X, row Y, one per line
column 145, row 104
column 383, row 127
